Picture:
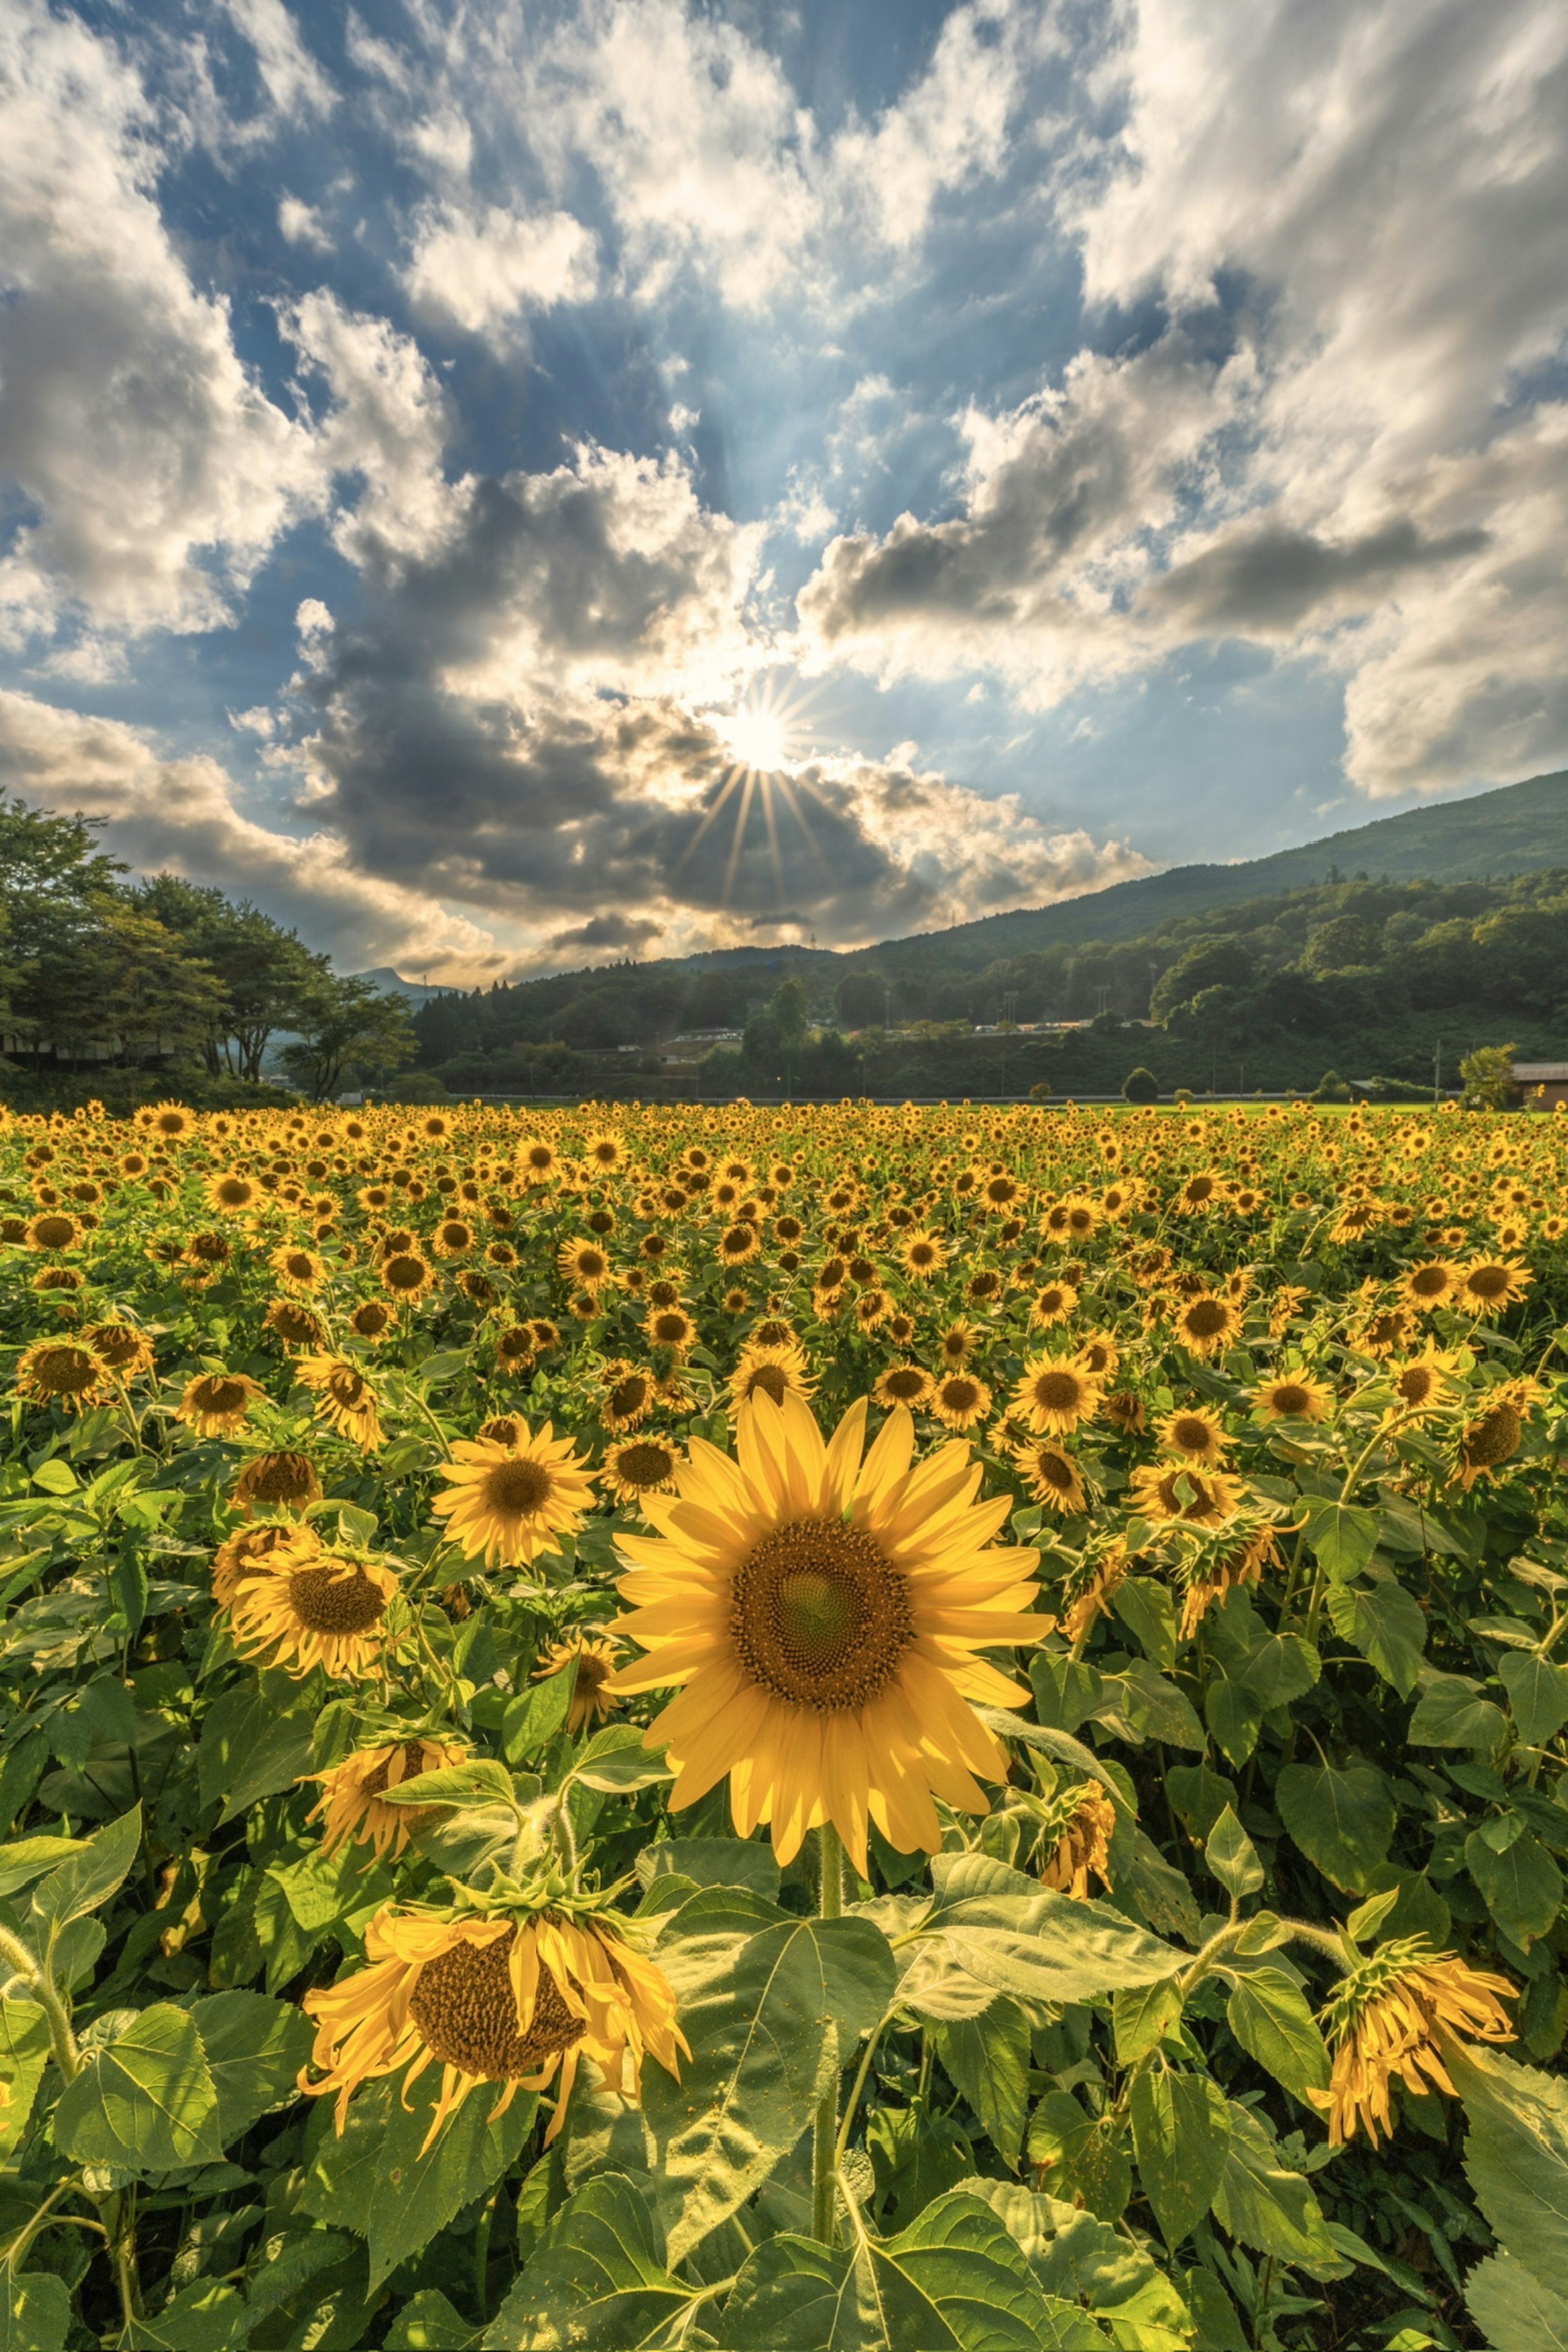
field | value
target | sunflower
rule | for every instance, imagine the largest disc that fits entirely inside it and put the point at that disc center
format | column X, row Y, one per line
column 511, row 1998
column 904, row 1384
column 1088, row 1590
column 275, row 1482
column 922, row 1254
column 1489, row 1284
column 642, row 1465
column 514, row 1348
column 302, row 1605
column 1385, row 1333
column 776, row 1373
column 960, row 1399
column 737, row 1243
column 626, row 1394
column 345, row 1398
column 1291, row 1396
column 1195, row 1433
column 216, row 1405
column 594, row 1660
column 672, row 1327
column 1423, row 1382
column 349, row 1804
column 1124, row 1410
column 406, row 1274
column 1493, row 1437
column 127, row 1351
column 244, row 1553
column 508, row 1503
column 1391, row 2015
column 1209, row 1577
column 586, row 1263
column 64, row 1372
column 53, row 1231
column 453, row 1238
column 299, row 1270
column 1174, row 1492
column 1206, row 1323
column 1082, row 1819
column 823, row 1613
column 1430, row 1284
column 1052, row 1305
column 372, row 1319
column 957, row 1343
column 1050, row 1473
column 1098, row 1355
column 1053, row 1395
column 231, row 1192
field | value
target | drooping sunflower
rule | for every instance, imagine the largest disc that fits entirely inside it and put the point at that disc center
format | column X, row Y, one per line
column 1098, row 1355
column 1292, row 1396
column 65, row 1373
column 823, row 1613
column 127, row 1351
column 275, row 1482
column 1195, row 1433
column 301, row 1605
column 244, row 1553
column 295, row 1325
column 216, row 1405
column 594, row 1660
column 345, row 1398
column 513, row 1998
column 1389, row 2016
column 1176, row 1492
column 626, row 1394
column 1207, row 1576
column 1053, row 1394
column 351, row 1806
column 507, row 1504
column 1124, row 1410
column 1493, row 1437
column 1050, row 1473
column 639, row 1466
column 1082, row 1819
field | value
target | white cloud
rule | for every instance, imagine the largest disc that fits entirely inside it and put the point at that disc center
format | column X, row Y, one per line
column 302, row 225
column 481, row 269
column 295, row 83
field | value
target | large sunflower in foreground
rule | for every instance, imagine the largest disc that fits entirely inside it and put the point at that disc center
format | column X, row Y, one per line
column 507, row 1503
column 823, row 1615
column 503, row 1998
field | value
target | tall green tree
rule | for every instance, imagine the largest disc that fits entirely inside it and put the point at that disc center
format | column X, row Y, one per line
column 266, row 973
column 352, row 1035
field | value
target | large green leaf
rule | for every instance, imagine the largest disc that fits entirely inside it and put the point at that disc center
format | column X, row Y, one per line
column 954, row 2279
column 1342, row 1820
column 988, row 2057
column 35, row 2310
column 147, row 2101
column 1142, row 2015
column 256, row 1740
column 1537, row 1695
column 1343, row 1536
column 712, row 1862
column 1451, row 1712
column 1231, row 1858
column 1283, row 1667
column 1034, row 1943
column 24, row 2053
column 1517, row 2311
column 253, row 2048
column 1385, row 1624
column 766, row 2001
column 596, row 2281
column 30, row 1857
column 1269, row 2017
column 85, row 1880
column 1516, row 2154
column 1180, row 2135
column 429, row 2322
column 205, row 2318
column 1075, row 2256
column 1263, row 2203
column 1522, row 1886
column 376, row 2181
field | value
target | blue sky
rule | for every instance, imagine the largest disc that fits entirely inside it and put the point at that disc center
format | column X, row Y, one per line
column 508, row 484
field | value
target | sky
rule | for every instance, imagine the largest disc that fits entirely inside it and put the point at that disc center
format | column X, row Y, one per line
column 513, row 486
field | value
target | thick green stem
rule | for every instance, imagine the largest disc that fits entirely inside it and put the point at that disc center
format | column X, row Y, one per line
column 824, row 2172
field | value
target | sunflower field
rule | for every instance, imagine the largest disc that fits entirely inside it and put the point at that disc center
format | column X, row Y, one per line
column 837, row 1727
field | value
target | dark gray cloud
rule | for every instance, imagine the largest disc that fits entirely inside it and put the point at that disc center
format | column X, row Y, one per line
column 1270, row 581
column 628, row 931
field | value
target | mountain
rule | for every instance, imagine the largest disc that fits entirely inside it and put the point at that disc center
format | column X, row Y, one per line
column 1519, row 829
column 392, row 984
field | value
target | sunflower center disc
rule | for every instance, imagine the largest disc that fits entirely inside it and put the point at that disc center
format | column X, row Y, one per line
column 644, row 1466
column 1192, row 1437
column 62, row 1370
column 1290, row 1400
column 1205, row 1319
column 1057, row 1391
column 219, row 1396
column 904, row 1384
column 1495, row 1439
column 517, row 1489
column 279, row 1478
column 326, row 1601
column 464, row 2006
column 770, row 1379
column 821, row 1616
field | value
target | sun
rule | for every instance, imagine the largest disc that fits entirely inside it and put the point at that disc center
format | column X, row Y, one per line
column 757, row 739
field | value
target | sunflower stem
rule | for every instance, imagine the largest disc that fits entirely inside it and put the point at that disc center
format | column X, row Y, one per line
column 823, row 2146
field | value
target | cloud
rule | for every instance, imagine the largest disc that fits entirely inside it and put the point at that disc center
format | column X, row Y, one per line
column 632, row 933
column 481, row 271
column 1264, row 580
column 179, row 814
column 296, row 85
column 302, row 225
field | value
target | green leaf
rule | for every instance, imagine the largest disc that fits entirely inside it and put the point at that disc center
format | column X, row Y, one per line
column 1523, row 1887
column 1155, row 1708
column 987, row 2057
column 1342, row 1820
column 30, row 1857
column 617, row 1762
column 1386, row 1624
column 1234, row 1718
column 321, row 1888
column 1451, row 1712
column 428, row 2323
column 1034, row 1943
column 200, row 2318
column 1199, row 1795
column 1263, row 2203
column 1516, row 2155
column 146, row 2102
column 597, row 2281
column 35, row 2311
column 376, row 2182
column 1231, row 1858
column 24, row 2053
column 532, row 1719
column 1342, row 1536
column 953, row 2279
column 712, row 1862
column 762, row 2002
column 1075, row 2256
column 1269, row 2017
column 1085, row 2154
column 1060, row 1745
column 1148, row 1611
column 1179, row 2136
column 55, row 1477
column 254, row 2049
column 1282, row 1668
column 1142, row 2015
column 84, row 1880
column 256, row 1740
column 1067, row 1690
column 1161, row 1894
column 482, row 1781
column 1537, row 1695
column 1517, row 2311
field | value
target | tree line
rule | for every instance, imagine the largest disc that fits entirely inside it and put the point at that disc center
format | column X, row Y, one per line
column 126, row 988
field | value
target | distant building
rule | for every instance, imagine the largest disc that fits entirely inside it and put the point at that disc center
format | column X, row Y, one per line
column 1544, row 1083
